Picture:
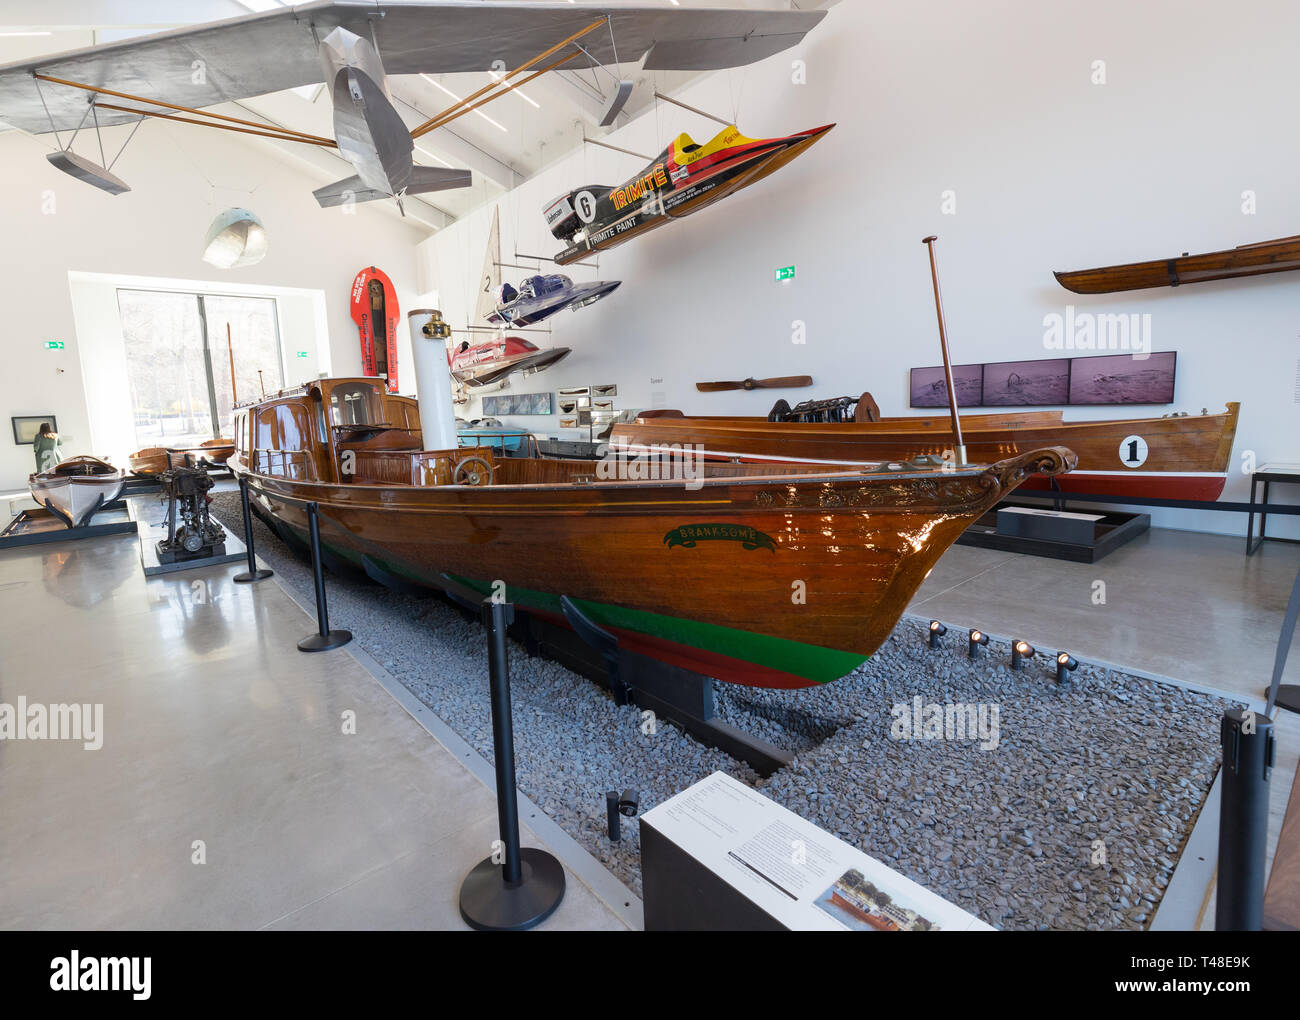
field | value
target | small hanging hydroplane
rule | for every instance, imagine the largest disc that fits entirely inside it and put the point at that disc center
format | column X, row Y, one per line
column 175, row 74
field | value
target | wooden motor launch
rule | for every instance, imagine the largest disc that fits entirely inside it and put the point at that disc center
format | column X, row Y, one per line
column 1185, row 457
column 704, row 572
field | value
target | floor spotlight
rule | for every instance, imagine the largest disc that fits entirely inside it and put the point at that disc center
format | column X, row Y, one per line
column 937, row 630
column 1020, row 651
column 1065, row 663
column 977, row 638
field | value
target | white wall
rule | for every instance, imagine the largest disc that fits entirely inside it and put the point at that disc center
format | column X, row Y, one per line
column 993, row 101
column 181, row 178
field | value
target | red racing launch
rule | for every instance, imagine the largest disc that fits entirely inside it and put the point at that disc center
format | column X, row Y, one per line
column 488, row 363
column 375, row 311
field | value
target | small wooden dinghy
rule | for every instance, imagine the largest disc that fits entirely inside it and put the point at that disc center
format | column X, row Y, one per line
column 213, row 451
column 217, row 451
column 75, row 489
column 152, row 460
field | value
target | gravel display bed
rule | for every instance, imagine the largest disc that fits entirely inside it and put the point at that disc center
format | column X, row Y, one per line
column 1109, row 763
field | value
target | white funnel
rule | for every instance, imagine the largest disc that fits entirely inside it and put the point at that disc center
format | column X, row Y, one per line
column 432, row 379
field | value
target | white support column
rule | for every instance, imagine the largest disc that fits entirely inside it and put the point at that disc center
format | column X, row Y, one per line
column 432, row 383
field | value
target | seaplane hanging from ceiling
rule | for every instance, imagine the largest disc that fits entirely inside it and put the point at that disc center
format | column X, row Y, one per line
column 174, row 75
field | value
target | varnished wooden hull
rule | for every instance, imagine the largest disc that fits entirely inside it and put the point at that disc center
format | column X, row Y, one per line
column 1277, row 256
column 1185, row 458
column 152, row 460
column 218, row 451
column 775, row 580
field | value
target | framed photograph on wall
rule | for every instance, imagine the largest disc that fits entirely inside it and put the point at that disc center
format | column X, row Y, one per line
column 930, row 389
column 520, row 403
column 1027, row 383
column 1123, row 379
column 27, row 425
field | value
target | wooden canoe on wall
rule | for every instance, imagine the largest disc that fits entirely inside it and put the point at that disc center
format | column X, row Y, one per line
column 1257, row 259
column 701, row 572
column 1149, row 458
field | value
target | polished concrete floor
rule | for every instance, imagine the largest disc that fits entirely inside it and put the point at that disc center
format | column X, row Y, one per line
column 227, row 793
column 223, row 742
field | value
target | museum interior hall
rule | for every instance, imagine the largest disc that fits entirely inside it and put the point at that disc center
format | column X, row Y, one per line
column 649, row 465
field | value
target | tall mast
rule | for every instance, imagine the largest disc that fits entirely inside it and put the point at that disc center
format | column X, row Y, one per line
column 959, row 447
column 230, row 349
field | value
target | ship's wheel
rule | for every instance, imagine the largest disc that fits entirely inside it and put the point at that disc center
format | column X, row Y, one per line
column 472, row 471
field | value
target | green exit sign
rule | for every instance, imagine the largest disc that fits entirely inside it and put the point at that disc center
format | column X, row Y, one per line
column 302, row 354
column 54, row 345
column 785, row 273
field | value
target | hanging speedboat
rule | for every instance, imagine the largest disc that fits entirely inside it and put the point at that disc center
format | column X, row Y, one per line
column 540, row 297
column 684, row 179
column 76, row 488
column 692, row 563
column 488, row 363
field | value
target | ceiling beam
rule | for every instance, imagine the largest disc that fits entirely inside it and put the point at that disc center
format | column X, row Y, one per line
column 454, row 148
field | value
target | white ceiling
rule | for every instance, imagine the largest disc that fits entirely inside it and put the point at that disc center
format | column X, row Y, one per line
column 504, row 143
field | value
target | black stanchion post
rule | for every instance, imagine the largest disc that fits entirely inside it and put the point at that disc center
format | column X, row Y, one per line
column 1248, row 750
column 253, row 573
column 324, row 639
column 613, row 818
column 521, row 887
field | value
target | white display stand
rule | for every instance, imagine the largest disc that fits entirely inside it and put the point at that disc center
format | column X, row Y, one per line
column 720, row 855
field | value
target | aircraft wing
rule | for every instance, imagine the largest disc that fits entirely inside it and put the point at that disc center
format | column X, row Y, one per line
column 203, row 65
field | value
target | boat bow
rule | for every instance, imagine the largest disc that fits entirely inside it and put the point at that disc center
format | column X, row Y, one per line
column 1049, row 461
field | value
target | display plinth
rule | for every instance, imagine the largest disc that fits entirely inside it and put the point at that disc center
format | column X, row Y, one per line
column 153, row 564
column 38, row 526
column 720, row 856
column 1061, row 535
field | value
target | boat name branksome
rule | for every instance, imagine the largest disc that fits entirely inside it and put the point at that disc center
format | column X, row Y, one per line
column 688, row 534
column 1089, row 331
column 946, row 721
column 53, row 722
column 657, row 463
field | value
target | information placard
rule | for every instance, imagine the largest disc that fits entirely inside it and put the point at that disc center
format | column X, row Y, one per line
column 801, row 876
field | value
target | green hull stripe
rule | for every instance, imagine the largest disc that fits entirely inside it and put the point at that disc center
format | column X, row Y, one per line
column 812, row 662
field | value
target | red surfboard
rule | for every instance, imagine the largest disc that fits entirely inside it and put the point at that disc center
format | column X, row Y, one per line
column 374, row 310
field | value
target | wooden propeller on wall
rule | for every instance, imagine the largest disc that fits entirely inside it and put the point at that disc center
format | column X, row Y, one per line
column 780, row 383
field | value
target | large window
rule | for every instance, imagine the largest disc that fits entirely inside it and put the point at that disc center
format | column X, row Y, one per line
column 178, row 361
